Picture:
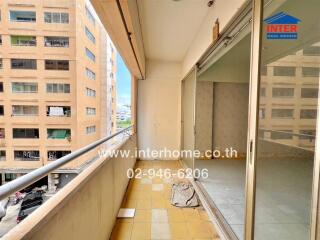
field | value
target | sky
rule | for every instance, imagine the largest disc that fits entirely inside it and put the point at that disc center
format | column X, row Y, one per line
column 123, row 83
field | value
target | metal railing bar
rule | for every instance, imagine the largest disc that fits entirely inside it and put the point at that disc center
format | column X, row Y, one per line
column 289, row 133
column 24, row 181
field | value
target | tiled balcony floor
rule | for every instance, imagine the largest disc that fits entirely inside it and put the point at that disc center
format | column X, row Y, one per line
column 155, row 217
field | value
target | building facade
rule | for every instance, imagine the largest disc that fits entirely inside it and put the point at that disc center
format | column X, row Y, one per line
column 53, row 78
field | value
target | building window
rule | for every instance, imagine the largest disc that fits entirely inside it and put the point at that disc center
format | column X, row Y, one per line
column 2, row 133
column 58, row 111
column 22, row 16
column 1, row 63
column 311, row 51
column 56, row 17
column 283, row 92
column 1, row 110
column 284, row 71
column 310, row 71
column 90, row 74
column 27, row 155
column 23, row 63
column 282, row 113
column 90, row 92
column 0, row 39
column 309, row 92
column 308, row 113
column 90, row 16
column 307, row 134
column 264, row 70
column 54, row 155
column 25, row 132
column 90, row 36
column 23, row 110
column 24, row 87
column 90, row 55
column 90, row 111
column 58, row 133
column 9, row 177
column 281, row 135
column 57, row 65
column 2, row 155
column 56, row 42
column 262, row 113
column 262, row 92
column 23, row 41
column 1, row 86
column 91, row 129
column 58, row 88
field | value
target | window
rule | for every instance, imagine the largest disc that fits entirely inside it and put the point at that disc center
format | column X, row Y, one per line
column 282, row 113
column 58, row 133
column 91, row 129
column 311, row 51
column 22, row 110
column 310, row 72
column 90, row 74
column 90, row 35
column 90, row 92
column 264, row 70
column 308, row 113
column 23, row 64
column 1, row 86
column 1, row 110
column 57, row 65
column 22, row 16
column 90, row 55
column 58, row 111
column 309, row 92
column 27, row 155
column 283, row 92
column 24, row 87
column 1, row 63
column 284, row 71
column 2, row 133
column 0, row 39
column 54, row 155
column 2, row 155
column 58, row 88
column 90, row 111
column 262, row 113
column 56, row 42
column 90, row 16
column 56, row 17
column 9, row 176
column 23, row 41
column 281, row 135
column 307, row 134
column 25, row 133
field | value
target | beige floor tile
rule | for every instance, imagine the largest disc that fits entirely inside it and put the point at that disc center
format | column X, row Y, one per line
column 176, row 215
column 159, row 216
column 142, row 215
column 160, row 231
column 141, row 231
column 179, row 230
column 122, row 231
column 143, row 204
column 203, row 215
column 158, row 203
column 199, row 229
column 191, row 214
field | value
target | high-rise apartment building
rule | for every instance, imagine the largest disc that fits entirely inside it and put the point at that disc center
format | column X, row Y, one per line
column 57, row 84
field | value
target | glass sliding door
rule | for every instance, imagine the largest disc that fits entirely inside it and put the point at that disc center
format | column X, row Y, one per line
column 287, row 116
column 188, row 118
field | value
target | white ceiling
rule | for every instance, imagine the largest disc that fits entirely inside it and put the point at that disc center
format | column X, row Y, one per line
column 168, row 27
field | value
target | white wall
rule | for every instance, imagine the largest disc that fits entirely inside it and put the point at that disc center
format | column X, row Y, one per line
column 224, row 10
column 159, row 104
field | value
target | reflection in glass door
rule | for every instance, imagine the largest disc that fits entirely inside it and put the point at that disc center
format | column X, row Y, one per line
column 289, row 85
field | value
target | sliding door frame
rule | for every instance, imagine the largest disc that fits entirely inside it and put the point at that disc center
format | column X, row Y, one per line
column 255, row 58
column 256, row 45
